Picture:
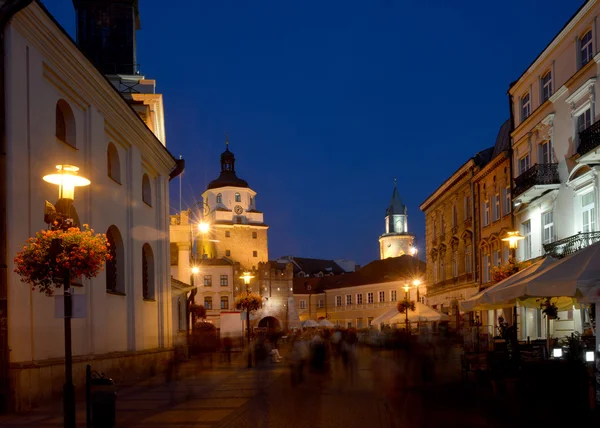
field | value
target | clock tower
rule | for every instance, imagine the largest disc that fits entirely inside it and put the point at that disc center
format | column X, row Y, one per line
column 396, row 241
column 237, row 229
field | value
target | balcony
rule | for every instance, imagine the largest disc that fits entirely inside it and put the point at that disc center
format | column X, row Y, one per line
column 589, row 142
column 572, row 244
column 536, row 181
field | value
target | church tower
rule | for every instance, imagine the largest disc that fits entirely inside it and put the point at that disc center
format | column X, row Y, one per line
column 396, row 241
column 237, row 229
column 106, row 34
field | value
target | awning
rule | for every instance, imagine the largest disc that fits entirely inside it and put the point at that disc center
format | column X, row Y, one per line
column 421, row 313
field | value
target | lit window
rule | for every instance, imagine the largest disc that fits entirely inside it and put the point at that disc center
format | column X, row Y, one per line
column 321, row 303
column 208, row 302
column 496, row 199
column 238, row 197
column 224, row 302
column 526, row 243
column 524, row 164
column 224, row 280
column 525, row 107
column 208, row 280
column 546, row 86
column 588, row 210
column 548, row 227
column 585, row 44
column 486, row 213
column 370, row 298
column 506, row 198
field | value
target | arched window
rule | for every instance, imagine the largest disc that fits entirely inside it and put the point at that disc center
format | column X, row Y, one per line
column 113, row 165
column 146, row 190
column 65, row 123
column 115, row 268
column 238, row 198
column 219, row 198
column 147, row 272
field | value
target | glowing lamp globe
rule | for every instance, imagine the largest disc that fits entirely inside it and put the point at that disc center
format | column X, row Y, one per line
column 66, row 179
column 203, row 227
column 513, row 238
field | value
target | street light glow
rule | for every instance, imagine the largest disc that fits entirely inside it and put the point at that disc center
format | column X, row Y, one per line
column 195, row 270
column 413, row 251
column 513, row 238
column 246, row 277
column 203, row 227
column 66, row 179
column 417, row 282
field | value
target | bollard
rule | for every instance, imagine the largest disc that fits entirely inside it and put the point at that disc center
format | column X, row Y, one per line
column 101, row 400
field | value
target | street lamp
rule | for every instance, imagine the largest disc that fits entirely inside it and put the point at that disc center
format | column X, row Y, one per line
column 62, row 217
column 513, row 239
column 406, row 295
column 203, row 227
column 247, row 277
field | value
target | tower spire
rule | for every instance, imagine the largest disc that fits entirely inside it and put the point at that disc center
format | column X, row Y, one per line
column 227, row 141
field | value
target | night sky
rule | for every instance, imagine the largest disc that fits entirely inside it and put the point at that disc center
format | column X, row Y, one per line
column 325, row 102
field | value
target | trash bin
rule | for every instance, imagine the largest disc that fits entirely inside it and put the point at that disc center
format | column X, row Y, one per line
column 103, row 399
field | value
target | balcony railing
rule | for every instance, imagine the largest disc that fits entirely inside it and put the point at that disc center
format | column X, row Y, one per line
column 572, row 244
column 589, row 139
column 543, row 173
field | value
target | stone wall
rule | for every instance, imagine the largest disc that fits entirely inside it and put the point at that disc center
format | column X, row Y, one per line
column 34, row 383
column 240, row 244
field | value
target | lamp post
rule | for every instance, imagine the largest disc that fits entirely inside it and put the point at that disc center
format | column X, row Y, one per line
column 66, row 179
column 247, row 277
column 513, row 239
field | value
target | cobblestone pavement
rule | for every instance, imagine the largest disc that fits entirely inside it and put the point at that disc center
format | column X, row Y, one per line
column 384, row 390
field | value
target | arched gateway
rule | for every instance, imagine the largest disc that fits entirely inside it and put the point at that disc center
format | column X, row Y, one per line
column 270, row 323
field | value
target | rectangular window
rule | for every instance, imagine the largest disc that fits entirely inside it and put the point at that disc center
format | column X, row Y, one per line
column 393, row 295
column 526, row 232
column 254, row 253
column 588, row 211
column 321, row 303
column 208, row 302
column 359, row 299
column 496, row 207
column 546, row 86
column 227, row 234
column 524, row 164
column 348, row 299
column 454, row 216
column 585, row 46
column 227, row 253
column 486, row 268
column 548, row 227
column 486, row 213
column 254, row 235
column 382, row 296
column 506, row 253
column 584, row 120
column 442, row 269
column 494, row 258
column 224, row 302
column 224, row 280
column 302, row 304
column 545, row 153
column 525, row 107
column 498, row 257
column 454, row 264
column 338, row 300
column 468, row 258
column 370, row 298
column 506, row 200
column 208, row 280
column 467, row 207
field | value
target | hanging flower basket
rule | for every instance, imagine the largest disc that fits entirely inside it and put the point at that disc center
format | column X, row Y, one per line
column 76, row 253
column 248, row 302
column 405, row 304
column 508, row 269
column 549, row 309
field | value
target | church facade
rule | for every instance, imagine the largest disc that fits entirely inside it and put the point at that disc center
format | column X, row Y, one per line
column 61, row 108
column 396, row 241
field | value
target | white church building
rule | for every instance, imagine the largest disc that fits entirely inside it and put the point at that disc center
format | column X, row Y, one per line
column 84, row 104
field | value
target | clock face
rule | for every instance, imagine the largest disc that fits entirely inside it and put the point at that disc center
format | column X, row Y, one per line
column 238, row 209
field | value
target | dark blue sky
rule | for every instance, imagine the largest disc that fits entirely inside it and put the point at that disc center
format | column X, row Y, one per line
column 327, row 101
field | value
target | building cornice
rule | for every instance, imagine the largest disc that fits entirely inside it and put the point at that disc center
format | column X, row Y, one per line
column 581, row 92
column 448, row 184
column 500, row 158
column 558, row 94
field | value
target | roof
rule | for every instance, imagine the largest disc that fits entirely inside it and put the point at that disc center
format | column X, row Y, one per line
column 215, row 262
column 227, row 178
column 314, row 266
column 396, row 204
column 376, row 272
column 178, row 284
column 502, row 139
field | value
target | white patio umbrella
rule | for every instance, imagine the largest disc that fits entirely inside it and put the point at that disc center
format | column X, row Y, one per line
column 326, row 323
column 421, row 313
column 385, row 317
column 496, row 296
column 310, row 323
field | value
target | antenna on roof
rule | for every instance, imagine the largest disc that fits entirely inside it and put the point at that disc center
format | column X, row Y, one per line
column 394, row 182
column 227, row 141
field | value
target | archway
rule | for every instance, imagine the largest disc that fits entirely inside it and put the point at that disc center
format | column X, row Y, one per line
column 270, row 323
